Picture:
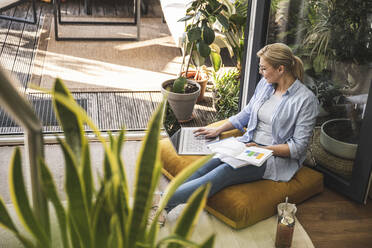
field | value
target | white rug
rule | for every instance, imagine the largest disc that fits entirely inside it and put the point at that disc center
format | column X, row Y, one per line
column 260, row 235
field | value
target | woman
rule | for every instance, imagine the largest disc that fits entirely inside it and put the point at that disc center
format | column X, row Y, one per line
column 280, row 116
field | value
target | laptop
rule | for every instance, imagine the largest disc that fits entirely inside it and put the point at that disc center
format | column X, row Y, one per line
column 183, row 138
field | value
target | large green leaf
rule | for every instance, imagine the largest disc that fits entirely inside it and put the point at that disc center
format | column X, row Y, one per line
column 194, row 34
column 5, row 219
column 122, row 201
column 208, row 35
column 209, row 242
column 115, row 239
column 101, row 220
column 76, row 241
column 6, row 222
column 21, row 202
column 216, row 60
column 190, row 215
column 77, row 205
column 87, row 175
column 203, row 49
column 175, row 239
column 51, row 193
column 70, row 122
column 146, row 167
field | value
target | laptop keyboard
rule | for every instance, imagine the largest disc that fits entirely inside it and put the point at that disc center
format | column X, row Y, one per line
column 192, row 144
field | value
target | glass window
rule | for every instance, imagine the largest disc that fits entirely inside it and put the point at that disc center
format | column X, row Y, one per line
column 333, row 38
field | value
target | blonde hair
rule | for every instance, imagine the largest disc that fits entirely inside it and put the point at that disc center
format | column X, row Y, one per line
column 278, row 54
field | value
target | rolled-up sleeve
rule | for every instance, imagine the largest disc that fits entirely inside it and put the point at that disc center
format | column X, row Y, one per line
column 304, row 127
column 240, row 120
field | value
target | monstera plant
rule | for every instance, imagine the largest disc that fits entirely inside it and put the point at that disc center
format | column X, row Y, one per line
column 99, row 215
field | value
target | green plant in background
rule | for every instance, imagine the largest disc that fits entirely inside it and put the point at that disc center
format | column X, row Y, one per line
column 233, row 33
column 101, row 216
column 337, row 31
column 226, row 90
column 327, row 93
column 202, row 14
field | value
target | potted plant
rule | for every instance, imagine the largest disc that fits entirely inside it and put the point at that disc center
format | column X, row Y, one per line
column 197, row 46
column 336, row 43
column 96, row 215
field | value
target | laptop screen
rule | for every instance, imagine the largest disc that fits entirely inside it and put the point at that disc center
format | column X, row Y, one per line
column 172, row 127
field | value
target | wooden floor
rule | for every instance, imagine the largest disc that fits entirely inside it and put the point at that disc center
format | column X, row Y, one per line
column 334, row 221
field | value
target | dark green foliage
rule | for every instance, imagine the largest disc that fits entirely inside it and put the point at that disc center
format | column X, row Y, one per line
column 226, row 91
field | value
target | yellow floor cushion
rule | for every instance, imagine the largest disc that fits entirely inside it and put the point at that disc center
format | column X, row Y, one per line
column 243, row 205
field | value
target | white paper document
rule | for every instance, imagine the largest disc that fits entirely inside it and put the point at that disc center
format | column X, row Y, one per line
column 236, row 154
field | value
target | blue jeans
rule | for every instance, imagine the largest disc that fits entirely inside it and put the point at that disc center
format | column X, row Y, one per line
column 221, row 175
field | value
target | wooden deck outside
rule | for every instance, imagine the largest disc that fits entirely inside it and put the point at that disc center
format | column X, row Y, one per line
column 110, row 111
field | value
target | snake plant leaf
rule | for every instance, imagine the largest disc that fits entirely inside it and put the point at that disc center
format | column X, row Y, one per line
column 223, row 20
column 115, row 239
column 176, row 239
column 208, row 35
column 146, row 167
column 70, row 122
column 190, row 215
column 122, row 202
column 20, row 200
column 118, row 148
column 122, row 209
column 179, row 85
column 203, row 49
column 101, row 220
column 171, row 188
column 77, row 206
column 194, row 34
column 209, row 242
column 86, row 171
column 107, row 172
column 5, row 219
column 216, row 60
column 76, row 241
column 51, row 193
column 7, row 223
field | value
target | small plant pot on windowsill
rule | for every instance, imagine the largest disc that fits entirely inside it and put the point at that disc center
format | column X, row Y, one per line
column 201, row 79
column 336, row 137
column 182, row 104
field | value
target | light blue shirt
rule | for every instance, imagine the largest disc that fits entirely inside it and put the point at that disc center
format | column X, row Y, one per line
column 293, row 121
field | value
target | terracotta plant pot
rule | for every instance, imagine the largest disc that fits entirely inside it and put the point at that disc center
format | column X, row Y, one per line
column 202, row 81
column 182, row 104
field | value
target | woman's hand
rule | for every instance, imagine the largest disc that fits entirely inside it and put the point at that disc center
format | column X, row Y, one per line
column 208, row 132
column 251, row 144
